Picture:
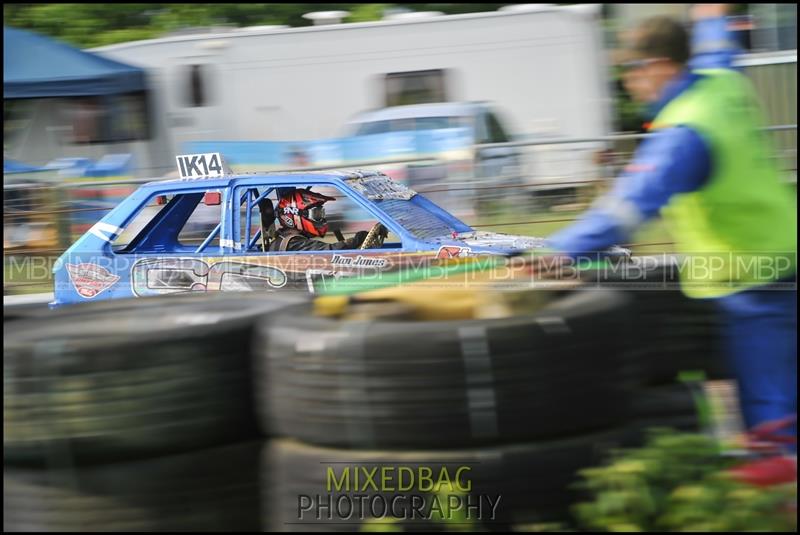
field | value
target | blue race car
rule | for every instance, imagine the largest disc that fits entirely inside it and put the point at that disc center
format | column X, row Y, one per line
column 212, row 233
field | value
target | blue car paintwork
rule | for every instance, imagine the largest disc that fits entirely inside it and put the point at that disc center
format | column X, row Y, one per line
column 90, row 269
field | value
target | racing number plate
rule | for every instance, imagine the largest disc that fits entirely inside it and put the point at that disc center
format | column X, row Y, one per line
column 200, row 165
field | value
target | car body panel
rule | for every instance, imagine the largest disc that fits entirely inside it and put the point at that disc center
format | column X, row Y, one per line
column 155, row 263
column 501, row 165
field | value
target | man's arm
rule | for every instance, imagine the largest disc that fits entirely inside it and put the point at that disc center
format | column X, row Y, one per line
column 676, row 160
column 673, row 161
column 713, row 46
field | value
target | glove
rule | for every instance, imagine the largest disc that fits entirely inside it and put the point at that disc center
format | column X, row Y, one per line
column 615, row 251
column 356, row 241
column 383, row 232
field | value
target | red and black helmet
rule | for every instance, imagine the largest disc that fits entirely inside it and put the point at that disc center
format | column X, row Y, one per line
column 302, row 209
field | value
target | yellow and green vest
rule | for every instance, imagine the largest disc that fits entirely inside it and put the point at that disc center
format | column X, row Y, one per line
column 739, row 230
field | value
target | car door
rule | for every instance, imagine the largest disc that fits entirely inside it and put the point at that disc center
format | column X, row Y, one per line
column 173, row 253
column 497, row 163
column 258, row 269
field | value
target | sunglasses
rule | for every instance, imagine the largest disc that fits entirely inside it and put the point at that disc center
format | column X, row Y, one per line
column 639, row 63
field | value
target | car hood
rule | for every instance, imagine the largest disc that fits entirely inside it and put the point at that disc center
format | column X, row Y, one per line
column 497, row 243
column 479, row 241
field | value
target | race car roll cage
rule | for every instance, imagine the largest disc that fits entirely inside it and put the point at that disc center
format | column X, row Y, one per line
column 228, row 228
column 249, row 217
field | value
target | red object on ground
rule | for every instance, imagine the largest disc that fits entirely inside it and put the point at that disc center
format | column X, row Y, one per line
column 770, row 430
column 767, row 472
column 773, row 470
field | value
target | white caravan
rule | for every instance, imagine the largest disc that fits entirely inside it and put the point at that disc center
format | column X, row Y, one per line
column 543, row 68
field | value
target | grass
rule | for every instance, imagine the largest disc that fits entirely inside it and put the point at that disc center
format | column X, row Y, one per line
column 546, row 223
column 27, row 274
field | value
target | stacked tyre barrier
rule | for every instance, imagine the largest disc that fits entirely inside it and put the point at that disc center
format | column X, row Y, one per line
column 519, row 404
column 246, row 412
column 674, row 346
column 21, row 311
column 133, row 415
column 407, row 384
column 671, row 333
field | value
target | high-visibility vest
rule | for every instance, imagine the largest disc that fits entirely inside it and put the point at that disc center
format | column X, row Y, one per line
column 739, row 230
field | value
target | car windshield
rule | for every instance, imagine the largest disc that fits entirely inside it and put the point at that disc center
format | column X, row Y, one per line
column 411, row 124
column 422, row 223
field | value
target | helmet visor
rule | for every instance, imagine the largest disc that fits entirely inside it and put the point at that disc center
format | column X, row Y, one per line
column 317, row 214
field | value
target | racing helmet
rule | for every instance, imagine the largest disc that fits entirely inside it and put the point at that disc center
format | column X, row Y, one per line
column 302, row 209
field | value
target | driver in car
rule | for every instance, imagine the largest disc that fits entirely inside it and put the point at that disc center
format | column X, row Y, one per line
column 302, row 216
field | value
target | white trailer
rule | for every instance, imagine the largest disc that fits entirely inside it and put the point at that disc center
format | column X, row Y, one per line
column 543, row 68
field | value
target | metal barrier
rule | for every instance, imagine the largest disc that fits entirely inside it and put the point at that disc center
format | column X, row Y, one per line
column 544, row 186
column 774, row 77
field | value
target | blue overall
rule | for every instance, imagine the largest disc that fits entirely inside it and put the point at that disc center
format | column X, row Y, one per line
column 760, row 326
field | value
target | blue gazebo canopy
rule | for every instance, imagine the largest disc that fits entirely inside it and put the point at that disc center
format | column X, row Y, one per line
column 37, row 67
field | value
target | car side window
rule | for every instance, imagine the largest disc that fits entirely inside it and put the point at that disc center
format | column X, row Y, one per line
column 481, row 129
column 201, row 223
column 179, row 222
column 375, row 127
column 496, row 132
column 135, row 226
column 342, row 214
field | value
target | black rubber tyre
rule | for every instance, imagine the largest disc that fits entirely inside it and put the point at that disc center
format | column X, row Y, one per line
column 159, row 376
column 444, row 384
column 663, row 401
column 210, row 490
column 675, row 334
column 533, row 481
column 671, row 332
column 18, row 312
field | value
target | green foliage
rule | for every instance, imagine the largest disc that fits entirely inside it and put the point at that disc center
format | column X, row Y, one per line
column 677, row 482
column 544, row 527
column 452, row 9
column 367, row 12
column 382, row 525
column 453, row 519
column 719, row 503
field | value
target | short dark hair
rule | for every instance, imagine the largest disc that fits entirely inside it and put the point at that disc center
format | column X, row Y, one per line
column 662, row 37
